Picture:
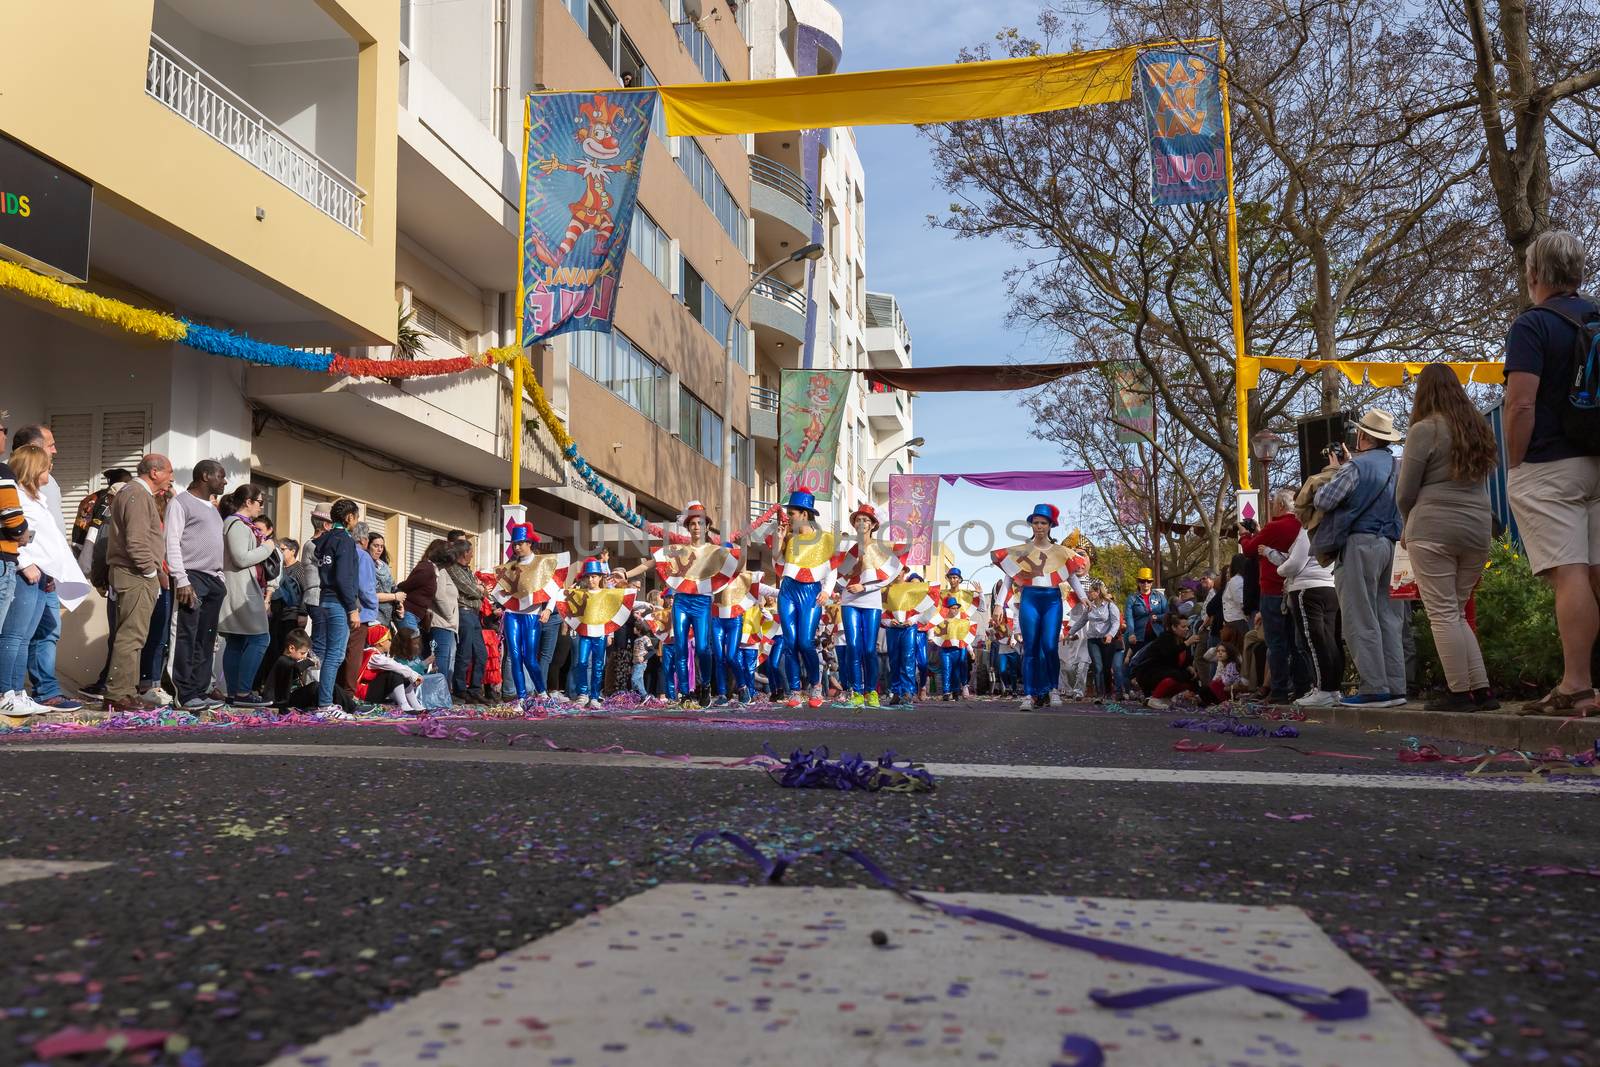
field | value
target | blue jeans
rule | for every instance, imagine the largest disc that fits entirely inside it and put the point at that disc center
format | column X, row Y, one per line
column 636, row 681
column 1291, row 673
column 8, row 587
column 241, row 661
column 153, row 659
column 27, row 605
column 328, row 642
column 471, row 655
column 42, row 650
column 1105, row 657
column 444, row 652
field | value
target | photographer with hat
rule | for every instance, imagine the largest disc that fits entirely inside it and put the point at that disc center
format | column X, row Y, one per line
column 1360, row 525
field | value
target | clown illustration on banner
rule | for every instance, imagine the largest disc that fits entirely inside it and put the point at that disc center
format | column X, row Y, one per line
column 808, row 438
column 1183, row 115
column 583, row 155
column 913, row 501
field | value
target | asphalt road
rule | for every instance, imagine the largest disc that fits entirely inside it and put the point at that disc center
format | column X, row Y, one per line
column 255, row 902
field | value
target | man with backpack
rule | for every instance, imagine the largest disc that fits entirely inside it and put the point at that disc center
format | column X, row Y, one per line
column 1552, row 438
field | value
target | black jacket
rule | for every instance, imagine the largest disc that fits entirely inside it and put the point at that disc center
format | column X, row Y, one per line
column 339, row 568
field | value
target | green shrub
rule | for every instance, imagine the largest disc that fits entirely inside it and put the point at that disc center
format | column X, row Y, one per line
column 1516, row 629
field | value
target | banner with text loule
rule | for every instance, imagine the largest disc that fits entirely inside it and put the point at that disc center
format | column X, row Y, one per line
column 1182, row 95
column 583, row 156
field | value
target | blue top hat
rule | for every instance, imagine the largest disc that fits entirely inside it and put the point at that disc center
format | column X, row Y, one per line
column 800, row 500
column 952, row 602
column 523, row 531
column 594, row 566
column 953, row 572
column 1048, row 512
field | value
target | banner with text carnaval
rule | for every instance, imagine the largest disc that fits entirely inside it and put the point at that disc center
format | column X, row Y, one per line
column 913, row 500
column 583, row 155
column 810, row 414
column 1183, row 116
column 1134, row 411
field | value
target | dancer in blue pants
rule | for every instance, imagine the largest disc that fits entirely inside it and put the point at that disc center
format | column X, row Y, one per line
column 867, row 567
column 806, row 565
column 954, row 634
column 695, row 570
column 524, row 586
column 731, row 606
column 1039, row 568
column 595, row 614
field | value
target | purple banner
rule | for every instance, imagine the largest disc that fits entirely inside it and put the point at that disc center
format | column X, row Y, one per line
column 913, row 499
column 1025, row 481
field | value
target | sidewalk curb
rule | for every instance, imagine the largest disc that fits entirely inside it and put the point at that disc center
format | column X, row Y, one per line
column 1534, row 733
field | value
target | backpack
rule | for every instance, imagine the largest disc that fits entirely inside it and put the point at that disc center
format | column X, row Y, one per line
column 1580, row 416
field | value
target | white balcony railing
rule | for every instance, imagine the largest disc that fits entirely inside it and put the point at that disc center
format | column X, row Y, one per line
column 208, row 105
column 783, row 293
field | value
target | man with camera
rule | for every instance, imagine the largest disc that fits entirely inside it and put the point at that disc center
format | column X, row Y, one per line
column 1360, row 525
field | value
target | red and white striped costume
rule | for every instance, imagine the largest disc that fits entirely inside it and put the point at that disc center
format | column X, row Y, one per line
column 702, row 569
column 597, row 612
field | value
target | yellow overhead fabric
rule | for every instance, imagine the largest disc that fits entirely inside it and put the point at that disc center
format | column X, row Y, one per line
column 948, row 93
column 1378, row 373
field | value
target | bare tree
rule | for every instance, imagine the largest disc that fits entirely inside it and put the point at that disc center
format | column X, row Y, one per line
column 1533, row 70
column 1361, row 235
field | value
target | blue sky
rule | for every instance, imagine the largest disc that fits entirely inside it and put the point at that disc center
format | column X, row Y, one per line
column 952, row 292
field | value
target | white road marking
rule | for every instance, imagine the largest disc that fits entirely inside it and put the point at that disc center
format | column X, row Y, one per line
column 27, row 870
column 479, row 753
column 691, row 974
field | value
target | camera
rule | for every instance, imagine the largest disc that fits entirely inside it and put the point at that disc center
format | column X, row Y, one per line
column 1338, row 451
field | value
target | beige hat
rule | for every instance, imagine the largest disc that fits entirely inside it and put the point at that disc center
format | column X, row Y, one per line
column 1378, row 425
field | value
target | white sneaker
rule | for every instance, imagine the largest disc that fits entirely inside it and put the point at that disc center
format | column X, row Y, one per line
column 334, row 711
column 1318, row 698
column 1159, row 705
column 1055, row 699
column 18, row 703
column 559, row 697
column 1025, row 704
column 157, row 696
column 581, row 702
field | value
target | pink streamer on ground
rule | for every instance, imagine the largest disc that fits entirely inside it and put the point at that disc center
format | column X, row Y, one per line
column 75, row 1041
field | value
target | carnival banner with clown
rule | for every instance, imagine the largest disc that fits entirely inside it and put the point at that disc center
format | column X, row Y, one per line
column 1183, row 116
column 583, row 155
column 811, row 412
column 913, row 502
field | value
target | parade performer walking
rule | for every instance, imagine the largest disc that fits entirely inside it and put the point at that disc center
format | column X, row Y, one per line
column 954, row 634
column 805, row 567
column 1038, row 568
column 908, row 602
column 695, row 572
column 734, row 601
column 525, row 587
column 867, row 566
column 595, row 614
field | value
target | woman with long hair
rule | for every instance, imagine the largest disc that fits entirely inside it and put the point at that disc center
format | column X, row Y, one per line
column 1444, row 503
column 243, row 623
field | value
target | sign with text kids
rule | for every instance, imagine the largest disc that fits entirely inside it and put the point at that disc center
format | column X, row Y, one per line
column 583, row 155
column 1183, row 116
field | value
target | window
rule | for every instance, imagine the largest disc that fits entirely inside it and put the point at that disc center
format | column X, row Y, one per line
column 700, row 427
column 700, row 50
column 614, row 361
column 579, row 10
column 419, row 535
column 710, row 311
column 603, row 31
column 833, row 323
column 742, row 457
column 652, row 247
column 694, row 163
column 95, row 440
column 615, row 48
column 431, row 319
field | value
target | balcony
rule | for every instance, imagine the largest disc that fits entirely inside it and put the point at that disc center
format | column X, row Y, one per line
column 204, row 102
column 888, row 412
column 778, row 315
column 763, row 413
column 780, row 198
column 888, row 339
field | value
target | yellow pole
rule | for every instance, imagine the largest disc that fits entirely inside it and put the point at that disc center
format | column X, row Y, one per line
column 1242, row 396
column 522, row 303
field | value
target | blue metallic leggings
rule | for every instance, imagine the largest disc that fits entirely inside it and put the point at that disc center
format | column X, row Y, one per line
column 669, row 670
column 861, row 631
column 728, row 633
column 919, row 647
column 953, row 662
column 902, row 660
column 692, row 611
column 591, row 665
column 521, row 631
column 1039, row 615
column 783, row 676
column 798, row 614
column 747, row 670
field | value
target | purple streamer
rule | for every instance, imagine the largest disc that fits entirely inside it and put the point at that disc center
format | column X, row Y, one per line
column 1347, row 1003
column 1026, row 481
column 1083, row 1052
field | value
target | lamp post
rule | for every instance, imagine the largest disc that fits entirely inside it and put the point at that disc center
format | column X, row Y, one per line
column 811, row 252
column 1266, row 445
column 872, row 479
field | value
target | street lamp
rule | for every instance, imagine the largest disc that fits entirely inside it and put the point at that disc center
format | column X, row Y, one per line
column 872, row 479
column 812, row 252
column 1266, row 445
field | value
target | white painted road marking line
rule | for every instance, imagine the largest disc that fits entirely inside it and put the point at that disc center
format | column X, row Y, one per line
column 478, row 753
column 692, row 974
column 27, row 870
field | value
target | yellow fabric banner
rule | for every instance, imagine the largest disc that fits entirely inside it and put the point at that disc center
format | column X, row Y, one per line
column 948, row 93
column 1381, row 374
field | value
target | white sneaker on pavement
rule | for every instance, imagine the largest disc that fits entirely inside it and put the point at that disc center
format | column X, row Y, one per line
column 1318, row 698
column 1159, row 705
column 157, row 696
column 1055, row 699
column 1025, row 704
column 334, row 711
column 20, row 703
